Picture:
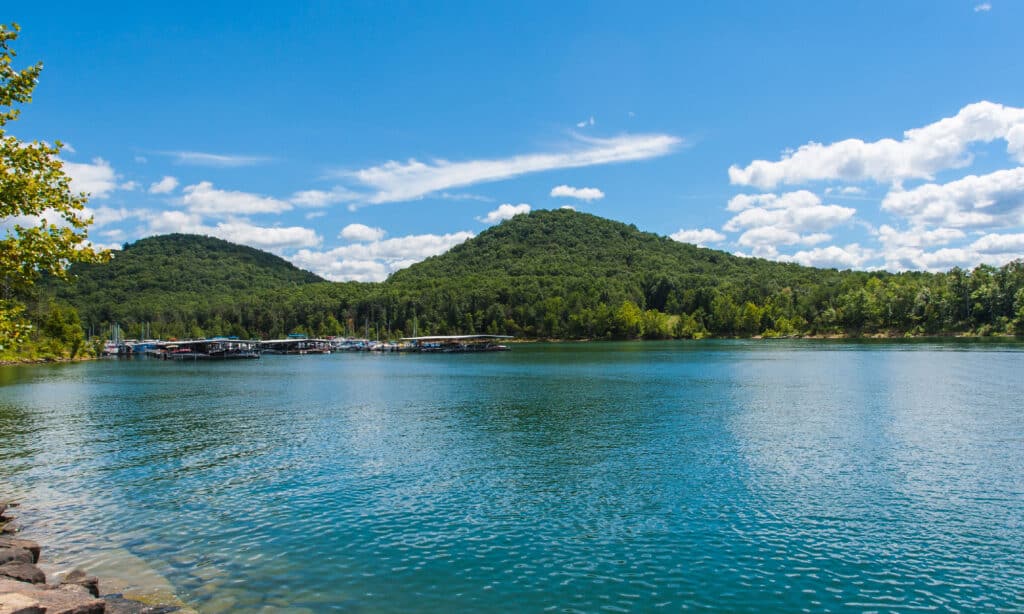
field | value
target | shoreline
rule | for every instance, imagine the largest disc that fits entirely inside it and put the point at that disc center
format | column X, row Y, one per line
column 888, row 336
column 26, row 588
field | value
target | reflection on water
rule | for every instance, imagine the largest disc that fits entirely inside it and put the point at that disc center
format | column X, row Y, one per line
column 735, row 476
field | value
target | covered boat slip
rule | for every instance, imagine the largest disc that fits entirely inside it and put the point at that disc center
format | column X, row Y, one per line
column 296, row 346
column 207, row 349
column 457, row 343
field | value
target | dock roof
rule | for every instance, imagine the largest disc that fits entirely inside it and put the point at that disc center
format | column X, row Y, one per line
column 456, row 337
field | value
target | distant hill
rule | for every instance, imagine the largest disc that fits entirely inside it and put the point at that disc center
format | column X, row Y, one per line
column 155, row 277
column 546, row 266
column 584, row 249
column 554, row 273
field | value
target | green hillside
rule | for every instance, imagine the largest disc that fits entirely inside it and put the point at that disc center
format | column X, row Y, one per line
column 177, row 277
column 555, row 273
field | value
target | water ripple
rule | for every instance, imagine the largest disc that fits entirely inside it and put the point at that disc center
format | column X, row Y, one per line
column 732, row 477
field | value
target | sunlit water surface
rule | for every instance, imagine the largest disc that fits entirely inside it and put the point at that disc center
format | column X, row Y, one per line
column 730, row 476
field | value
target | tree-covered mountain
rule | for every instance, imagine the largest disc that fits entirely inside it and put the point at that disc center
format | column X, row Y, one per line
column 545, row 274
column 177, row 277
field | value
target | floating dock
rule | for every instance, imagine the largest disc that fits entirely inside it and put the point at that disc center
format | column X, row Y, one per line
column 207, row 349
column 449, row 344
column 294, row 345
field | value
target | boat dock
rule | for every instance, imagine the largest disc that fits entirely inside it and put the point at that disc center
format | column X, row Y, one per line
column 449, row 344
column 296, row 345
column 207, row 349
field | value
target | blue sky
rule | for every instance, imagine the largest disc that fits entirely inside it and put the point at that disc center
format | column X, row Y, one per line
column 357, row 138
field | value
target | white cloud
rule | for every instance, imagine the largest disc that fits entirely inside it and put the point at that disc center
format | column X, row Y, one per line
column 128, row 186
column 700, row 237
column 852, row 256
column 264, row 237
column 917, row 237
column 919, row 155
column 204, row 198
column 505, row 211
column 993, row 248
column 375, row 260
column 465, row 196
column 768, row 220
column 984, row 7
column 569, row 207
column 104, row 216
column 396, row 181
column 995, row 199
column 163, row 222
column 567, row 191
column 586, row 122
column 849, row 190
column 1000, row 244
column 198, row 158
column 164, row 186
column 362, row 233
column 236, row 231
column 97, row 179
column 321, row 198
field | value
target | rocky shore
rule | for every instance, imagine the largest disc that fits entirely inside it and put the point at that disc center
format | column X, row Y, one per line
column 24, row 588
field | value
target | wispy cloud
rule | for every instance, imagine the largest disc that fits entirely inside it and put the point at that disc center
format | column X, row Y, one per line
column 984, row 7
column 199, row 158
column 586, row 122
column 465, row 196
column 323, row 198
column 401, row 181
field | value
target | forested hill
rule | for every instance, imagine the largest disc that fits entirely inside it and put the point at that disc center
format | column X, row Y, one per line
column 562, row 273
column 567, row 247
column 545, row 274
column 174, row 277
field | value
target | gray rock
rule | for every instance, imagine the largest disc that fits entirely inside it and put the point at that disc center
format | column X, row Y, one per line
column 16, row 603
column 8, row 555
column 59, row 600
column 54, row 600
column 8, row 585
column 23, row 572
column 10, row 528
column 24, row 544
column 80, row 578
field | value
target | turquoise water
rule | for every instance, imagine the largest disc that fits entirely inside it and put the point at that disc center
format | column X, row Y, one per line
column 729, row 476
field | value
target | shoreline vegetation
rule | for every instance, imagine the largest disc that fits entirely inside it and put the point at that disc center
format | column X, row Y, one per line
column 887, row 336
column 25, row 588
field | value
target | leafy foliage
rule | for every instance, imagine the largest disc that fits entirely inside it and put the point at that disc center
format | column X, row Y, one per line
column 43, row 229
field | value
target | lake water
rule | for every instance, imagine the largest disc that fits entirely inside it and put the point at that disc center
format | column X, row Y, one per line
column 723, row 475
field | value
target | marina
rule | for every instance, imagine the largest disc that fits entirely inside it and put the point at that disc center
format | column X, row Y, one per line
column 231, row 348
